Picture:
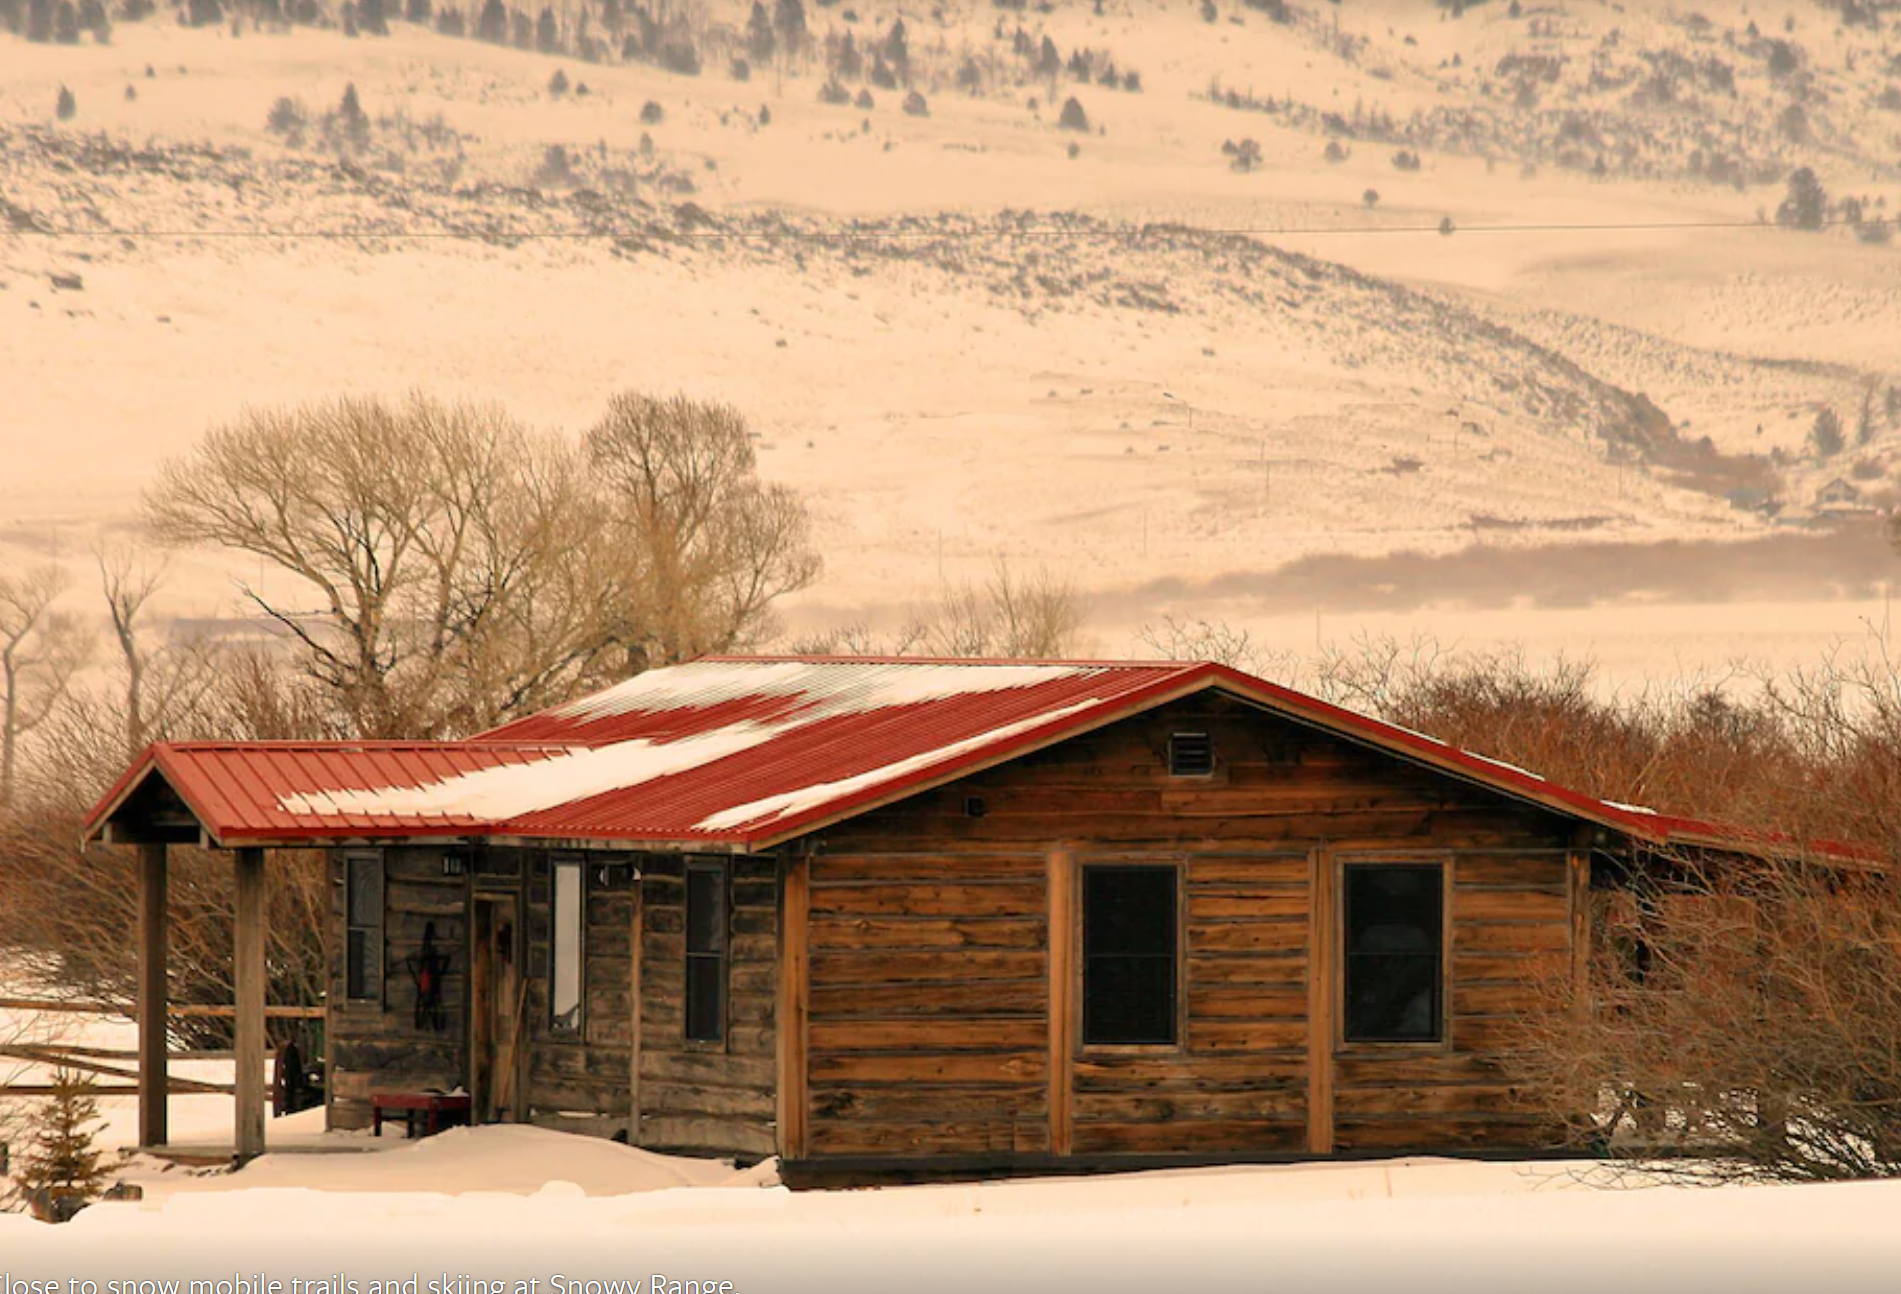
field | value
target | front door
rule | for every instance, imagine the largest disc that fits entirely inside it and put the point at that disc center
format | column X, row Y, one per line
column 497, row 1006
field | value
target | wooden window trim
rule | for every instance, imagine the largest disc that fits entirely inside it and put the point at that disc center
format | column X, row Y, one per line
column 1084, row 1049
column 555, row 866
column 379, row 998
column 718, row 867
column 1440, row 1046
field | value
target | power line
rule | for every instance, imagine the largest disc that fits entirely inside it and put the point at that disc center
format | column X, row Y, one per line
column 1056, row 233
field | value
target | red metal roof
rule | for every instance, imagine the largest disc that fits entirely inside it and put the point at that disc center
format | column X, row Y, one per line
column 744, row 752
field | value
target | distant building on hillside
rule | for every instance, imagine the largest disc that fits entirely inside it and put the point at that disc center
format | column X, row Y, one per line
column 1838, row 493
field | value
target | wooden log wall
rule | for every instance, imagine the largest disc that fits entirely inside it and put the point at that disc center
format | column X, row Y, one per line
column 378, row 1045
column 707, row 1097
column 579, row 1080
column 930, row 936
column 928, row 997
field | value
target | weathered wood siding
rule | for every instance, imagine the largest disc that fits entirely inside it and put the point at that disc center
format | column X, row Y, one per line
column 378, row 1045
column 703, row 1096
column 579, row 1079
column 930, row 1029
column 929, row 983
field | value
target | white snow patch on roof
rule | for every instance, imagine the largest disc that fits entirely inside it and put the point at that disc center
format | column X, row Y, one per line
column 762, row 812
column 1631, row 808
column 514, row 789
column 1499, row 763
column 830, row 688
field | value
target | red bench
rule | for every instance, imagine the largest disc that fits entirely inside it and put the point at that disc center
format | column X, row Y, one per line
column 440, row 1110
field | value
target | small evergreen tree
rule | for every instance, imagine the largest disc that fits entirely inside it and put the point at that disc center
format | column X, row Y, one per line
column 205, row 13
column 62, row 1164
column 419, row 12
column 761, row 40
column 39, row 21
column 354, row 122
column 897, row 50
column 851, row 63
column 66, row 23
column 66, row 106
column 558, row 83
column 1826, row 434
column 1806, row 204
column 547, row 33
column 492, row 26
column 1073, row 117
column 788, row 17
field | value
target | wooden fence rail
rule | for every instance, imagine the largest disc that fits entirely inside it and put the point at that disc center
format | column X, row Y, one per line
column 188, row 1009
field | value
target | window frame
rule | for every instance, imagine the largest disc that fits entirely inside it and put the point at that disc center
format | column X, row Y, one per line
column 577, row 1028
column 351, row 859
column 723, row 954
column 1385, row 1046
column 1178, row 1044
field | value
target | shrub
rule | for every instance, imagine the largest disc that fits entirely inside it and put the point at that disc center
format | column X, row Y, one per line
column 1405, row 160
column 1072, row 117
column 680, row 56
column 1370, row 199
column 863, row 101
column 558, row 83
column 1246, row 155
column 915, row 105
column 556, row 170
column 652, row 114
column 834, row 93
column 1446, row 227
column 1336, row 151
column 739, row 69
column 1805, row 205
column 1074, row 150
column 287, row 117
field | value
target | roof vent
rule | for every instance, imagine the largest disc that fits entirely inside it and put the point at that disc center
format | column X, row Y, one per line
column 1191, row 754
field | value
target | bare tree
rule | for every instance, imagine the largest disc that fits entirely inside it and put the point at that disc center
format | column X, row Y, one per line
column 1199, row 639
column 166, row 677
column 41, row 649
column 456, row 562
column 711, row 547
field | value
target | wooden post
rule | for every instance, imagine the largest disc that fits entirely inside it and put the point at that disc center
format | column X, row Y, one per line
column 248, row 972
column 633, row 1064
column 1320, row 997
column 794, row 1002
column 154, row 1082
column 1062, row 991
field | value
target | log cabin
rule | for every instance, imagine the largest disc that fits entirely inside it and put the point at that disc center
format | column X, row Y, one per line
column 874, row 915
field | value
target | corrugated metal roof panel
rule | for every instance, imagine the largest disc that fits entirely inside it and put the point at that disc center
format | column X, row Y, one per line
column 748, row 751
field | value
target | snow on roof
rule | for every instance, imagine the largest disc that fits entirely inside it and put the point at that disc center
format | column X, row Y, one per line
column 774, row 807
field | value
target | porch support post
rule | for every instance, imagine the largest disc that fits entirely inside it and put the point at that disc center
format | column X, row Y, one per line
column 248, row 1039
column 154, row 1082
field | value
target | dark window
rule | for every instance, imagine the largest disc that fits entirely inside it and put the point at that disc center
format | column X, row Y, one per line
column 1394, row 981
column 705, row 952
column 363, row 927
column 570, row 919
column 1129, row 939
column 1191, row 754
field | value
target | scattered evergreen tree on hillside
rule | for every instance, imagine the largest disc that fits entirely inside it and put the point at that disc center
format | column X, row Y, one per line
column 418, row 11
column 850, row 64
column 66, row 23
column 66, row 105
column 492, row 26
column 204, row 13
column 761, row 39
column 1073, row 117
column 1826, row 434
column 897, row 50
column 547, row 32
column 1806, row 204
column 39, row 20
column 788, row 18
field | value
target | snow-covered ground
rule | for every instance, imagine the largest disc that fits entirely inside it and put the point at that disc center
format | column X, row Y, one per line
column 521, row 1203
